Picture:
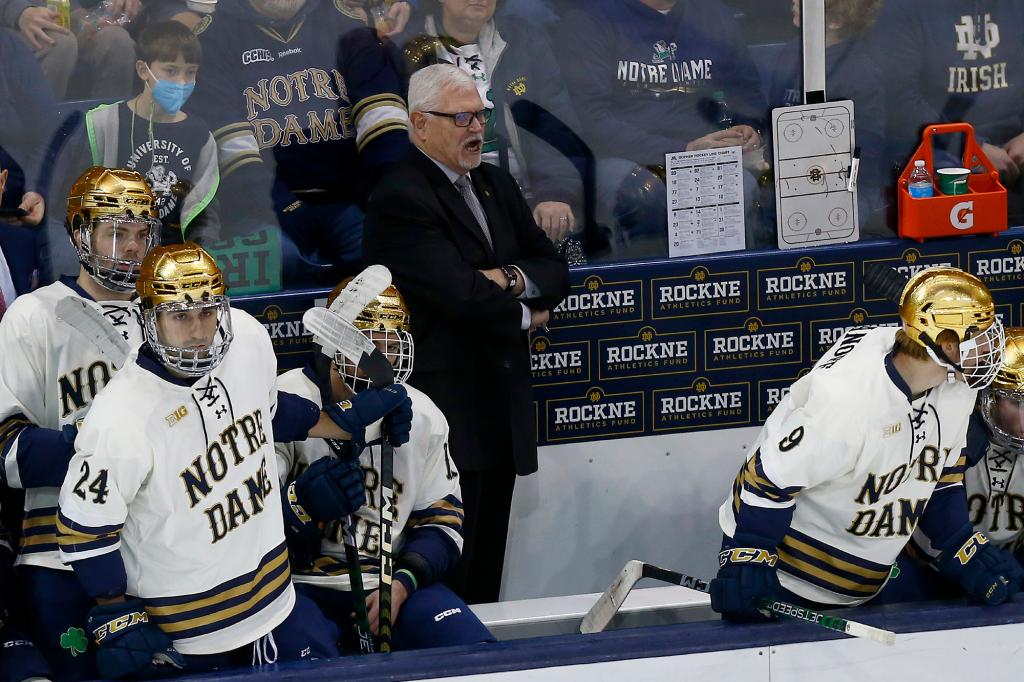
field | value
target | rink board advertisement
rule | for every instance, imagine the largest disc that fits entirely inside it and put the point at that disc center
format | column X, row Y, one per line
column 699, row 343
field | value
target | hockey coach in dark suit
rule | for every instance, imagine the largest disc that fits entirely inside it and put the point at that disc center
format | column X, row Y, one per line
column 478, row 275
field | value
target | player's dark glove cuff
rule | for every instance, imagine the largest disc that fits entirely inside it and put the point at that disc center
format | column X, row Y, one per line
column 398, row 424
column 982, row 569
column 331, row 488
column 747, row 575
column 365, row 408
column 129, row 644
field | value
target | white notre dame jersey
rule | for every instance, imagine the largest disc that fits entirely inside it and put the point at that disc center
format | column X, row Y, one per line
column 995, row 496
column 49, row 375
column 181, row 478
column 426, row 486
column 858, row 459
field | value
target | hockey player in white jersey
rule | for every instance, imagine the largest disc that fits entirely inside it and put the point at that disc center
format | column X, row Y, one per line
column 864, row 449
column 994, row 481
column 49, row 374
column 171, row 513
column 428, row 518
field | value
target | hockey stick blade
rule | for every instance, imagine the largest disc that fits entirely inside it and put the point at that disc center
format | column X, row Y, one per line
column 77, row 313
column 881, row 280
column 606, row 606
column 361, row 291
column 336, row 335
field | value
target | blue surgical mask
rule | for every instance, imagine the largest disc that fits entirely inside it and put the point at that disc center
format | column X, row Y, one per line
column 169, row 95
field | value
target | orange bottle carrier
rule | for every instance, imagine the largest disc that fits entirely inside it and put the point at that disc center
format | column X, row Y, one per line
column 981, row 211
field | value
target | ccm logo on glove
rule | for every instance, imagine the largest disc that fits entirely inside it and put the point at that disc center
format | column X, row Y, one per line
column 747, row 555
column 120, row 623
column 969, row 548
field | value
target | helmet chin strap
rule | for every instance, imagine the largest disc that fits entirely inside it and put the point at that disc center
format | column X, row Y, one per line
column 936, row 353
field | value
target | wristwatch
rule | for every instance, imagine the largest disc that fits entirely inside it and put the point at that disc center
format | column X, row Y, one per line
column 512, row 275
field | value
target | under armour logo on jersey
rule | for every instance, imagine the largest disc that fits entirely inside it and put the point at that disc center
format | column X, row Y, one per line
column 966, row 33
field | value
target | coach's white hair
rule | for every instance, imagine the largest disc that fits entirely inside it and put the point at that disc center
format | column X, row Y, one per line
column 428, row 85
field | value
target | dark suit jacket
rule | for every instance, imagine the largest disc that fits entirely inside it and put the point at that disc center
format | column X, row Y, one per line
column 471, row 358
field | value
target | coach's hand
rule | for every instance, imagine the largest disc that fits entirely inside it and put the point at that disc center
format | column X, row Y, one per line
column 746, row 576
column 366, row 407
column 129, row 645
column 985, row 571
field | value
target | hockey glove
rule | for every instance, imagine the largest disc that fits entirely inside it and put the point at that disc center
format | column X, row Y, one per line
column 129, row 644
column 19, row 658
column 331, row 489
column 985, row 571
column 365, row 408
column 398, row 424
column 745, row 577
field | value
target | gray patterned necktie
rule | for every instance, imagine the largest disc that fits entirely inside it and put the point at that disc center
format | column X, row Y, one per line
column 465, row 188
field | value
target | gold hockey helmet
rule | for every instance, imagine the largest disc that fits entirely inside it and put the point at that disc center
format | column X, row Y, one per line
column 1002, row 403
column 122, row 199
column 183, row 278
column 942, row 299
column 385, row 321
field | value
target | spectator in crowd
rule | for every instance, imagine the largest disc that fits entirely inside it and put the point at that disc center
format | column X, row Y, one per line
column 304, row 105
column 643, row 75
column 851, row 72
column 152, row 134
column 956, row 62
column 29, row 115
column 478, row 274
column 530, row 133
column 96, row 41
column 19, row 263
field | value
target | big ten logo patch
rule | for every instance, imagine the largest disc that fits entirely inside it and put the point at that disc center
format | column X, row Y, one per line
column 1000, row 269
column 770, row 393
column 825, row 333
column 595, row 301
column 701, row 405
column 753, row 344
column 559, row 363
column 646, row 354
column 595, row 414
column 702, row 292
column 909, row 263
column 805, row 283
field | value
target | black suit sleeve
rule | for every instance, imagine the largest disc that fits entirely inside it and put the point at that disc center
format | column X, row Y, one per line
column 404, row 232
column 538, row 258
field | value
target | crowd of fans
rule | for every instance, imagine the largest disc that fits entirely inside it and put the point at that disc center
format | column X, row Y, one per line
column 263, row 125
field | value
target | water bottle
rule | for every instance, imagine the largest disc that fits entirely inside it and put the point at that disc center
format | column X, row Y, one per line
column 723, row 117
column 921, row 181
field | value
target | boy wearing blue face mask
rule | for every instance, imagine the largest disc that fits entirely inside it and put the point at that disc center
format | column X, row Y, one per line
column 152, row 135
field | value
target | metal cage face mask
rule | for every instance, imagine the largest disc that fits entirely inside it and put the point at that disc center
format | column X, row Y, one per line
column 192, row 362
column 115, row 272
column 980, row 356
column 397, row 345
column 1003, row 412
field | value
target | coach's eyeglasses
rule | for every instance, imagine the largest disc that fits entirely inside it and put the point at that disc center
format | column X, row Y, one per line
column 464, row 118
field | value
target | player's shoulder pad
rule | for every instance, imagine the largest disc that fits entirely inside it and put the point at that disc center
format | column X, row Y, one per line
column 425, row 412
column 296, row 382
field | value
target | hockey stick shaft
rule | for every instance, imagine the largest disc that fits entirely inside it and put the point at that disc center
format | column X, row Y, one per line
column 387, row 522
column 92, row 324
column 355, row 580
column 355, row 571
column 601, row 614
